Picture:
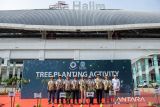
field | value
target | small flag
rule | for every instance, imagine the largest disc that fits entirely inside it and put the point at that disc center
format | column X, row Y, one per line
column 101, row 105
column 60, row 105
column 81, row 105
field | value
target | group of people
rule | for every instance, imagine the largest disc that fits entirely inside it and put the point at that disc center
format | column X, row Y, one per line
column 80, row 87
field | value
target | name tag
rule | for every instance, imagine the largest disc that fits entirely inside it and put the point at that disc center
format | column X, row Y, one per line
column 90, row 94
column 156, row 91
column 11, row 94
column 137, row 93
column 62, row 95
column 37, row 95
column 111, row 93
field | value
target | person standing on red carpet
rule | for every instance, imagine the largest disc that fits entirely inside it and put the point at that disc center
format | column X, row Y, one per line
column 51, row 89
column 116, row 86
column 83, row 88
column 107, row 87
column 59, row 86
column 99, row 88
column 75, row 89
column 67, row 88
column 90, row 88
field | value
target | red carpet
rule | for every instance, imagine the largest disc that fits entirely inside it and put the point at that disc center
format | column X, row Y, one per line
column 5, row 102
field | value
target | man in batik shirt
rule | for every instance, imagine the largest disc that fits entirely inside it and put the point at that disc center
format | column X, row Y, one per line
column 59, row 88
column 83, row 88
column 51, row 89
column 67, row 88
column 75, row 89
column 90, row 87
column 99, row 88
column 107, row 87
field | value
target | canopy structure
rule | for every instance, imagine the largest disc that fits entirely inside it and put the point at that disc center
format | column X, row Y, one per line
column 78, row 20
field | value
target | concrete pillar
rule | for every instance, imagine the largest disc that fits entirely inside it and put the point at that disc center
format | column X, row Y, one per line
column 8, row 69
column 76, row 55
column 155, row 59
column 147, row 70
column 18, row 73
column 135, row 76
column 44, row 34
column 14, row 68
column 140, row 73
column 0, row 69
column 110, row 34
column 42, row 55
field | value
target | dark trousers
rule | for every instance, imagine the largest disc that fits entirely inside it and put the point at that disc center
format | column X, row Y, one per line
column 68, row 96
column 99, row 95
column 106, row 96
column 58, row 94
column 75, row 95
column 51, row 95
column 91, row 100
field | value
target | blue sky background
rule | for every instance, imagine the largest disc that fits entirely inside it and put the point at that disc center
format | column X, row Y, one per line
column 135, row 5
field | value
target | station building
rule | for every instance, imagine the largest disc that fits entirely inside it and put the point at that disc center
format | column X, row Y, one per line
column 81, row 35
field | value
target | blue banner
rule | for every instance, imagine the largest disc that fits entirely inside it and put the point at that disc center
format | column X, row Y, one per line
column 38, row 73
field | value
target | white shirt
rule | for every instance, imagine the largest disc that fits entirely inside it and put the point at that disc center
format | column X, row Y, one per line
column 116, row 84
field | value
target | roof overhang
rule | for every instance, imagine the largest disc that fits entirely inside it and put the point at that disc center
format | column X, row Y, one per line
column 79, row 28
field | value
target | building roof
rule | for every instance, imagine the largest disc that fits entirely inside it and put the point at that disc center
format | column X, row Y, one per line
column 78, row 19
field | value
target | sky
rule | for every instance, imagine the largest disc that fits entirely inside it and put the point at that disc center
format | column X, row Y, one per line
column 134, row 5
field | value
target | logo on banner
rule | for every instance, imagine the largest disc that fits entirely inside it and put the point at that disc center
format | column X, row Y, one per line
column 73, row 65
column 82, row 65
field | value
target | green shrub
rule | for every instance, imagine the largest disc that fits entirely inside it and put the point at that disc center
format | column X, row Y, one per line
column 17, row 105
